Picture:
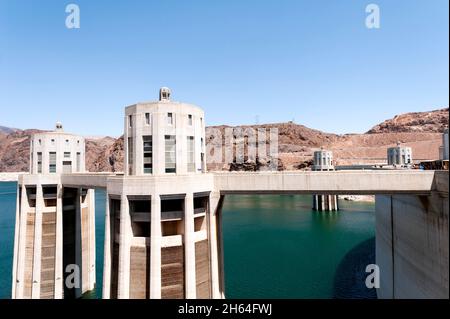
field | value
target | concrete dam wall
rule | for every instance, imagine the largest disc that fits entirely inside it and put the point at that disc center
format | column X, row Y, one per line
column 412, row 245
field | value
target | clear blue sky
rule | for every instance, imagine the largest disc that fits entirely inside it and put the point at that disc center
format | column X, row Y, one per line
column 313, row 61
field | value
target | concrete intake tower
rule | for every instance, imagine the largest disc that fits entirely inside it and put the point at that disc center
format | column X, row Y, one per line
column 55, row 225
column 161, row 238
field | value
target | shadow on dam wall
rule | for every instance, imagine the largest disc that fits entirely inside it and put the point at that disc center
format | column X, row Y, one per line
column 350, row 276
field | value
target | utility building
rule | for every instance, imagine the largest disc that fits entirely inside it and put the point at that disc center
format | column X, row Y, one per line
column 399, row 155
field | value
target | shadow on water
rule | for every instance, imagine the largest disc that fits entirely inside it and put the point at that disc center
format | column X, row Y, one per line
column 350, row 276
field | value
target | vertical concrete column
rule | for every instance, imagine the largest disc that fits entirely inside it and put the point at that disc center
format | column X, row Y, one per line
column 59, row 155
column 83, row 157
column 124, row 249
column 59, row 278
column 35, row 292
column 155, row 247
column 129, row 133
column 32, row 159
column 91, row 203
column 125, row 147
column 214, row 210
column 22, row 243
column 78, row 246
column 16, row 243
column 197, row 143
column 136, row 146
column 107, row 253
column 189, row 246
column 45, row 158
column 181, row 146
column 139, row 148
column 158, row 129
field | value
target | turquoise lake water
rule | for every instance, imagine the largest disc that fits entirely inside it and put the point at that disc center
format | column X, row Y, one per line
column 274, row 246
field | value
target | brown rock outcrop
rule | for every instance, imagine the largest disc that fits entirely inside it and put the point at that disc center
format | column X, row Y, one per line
column 416, row 122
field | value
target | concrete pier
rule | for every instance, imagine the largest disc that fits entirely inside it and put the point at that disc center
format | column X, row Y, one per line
column 323, row 203
column 54, row 231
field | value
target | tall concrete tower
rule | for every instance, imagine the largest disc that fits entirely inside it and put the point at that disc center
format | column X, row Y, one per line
column 323, row 161
column 57, row 152
column 161, row 235
column 54, row 233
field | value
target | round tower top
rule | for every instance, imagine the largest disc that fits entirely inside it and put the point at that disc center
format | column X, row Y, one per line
column 164, row 94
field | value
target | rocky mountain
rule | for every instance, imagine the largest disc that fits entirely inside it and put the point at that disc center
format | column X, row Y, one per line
column 15, row 151
column 296, row 144
column 433, row 121
column 7, row 130
column 105, row 155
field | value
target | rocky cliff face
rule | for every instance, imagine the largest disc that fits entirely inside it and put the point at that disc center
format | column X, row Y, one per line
column 15, row 151
column 105, row 156
column 296, row 145
column 417, row 122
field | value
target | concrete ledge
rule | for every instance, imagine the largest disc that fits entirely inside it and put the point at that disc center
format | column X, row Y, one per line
column 41, row 179
column 411, row 182
column 88, row 180
column 331, row 182
column 10, row 177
